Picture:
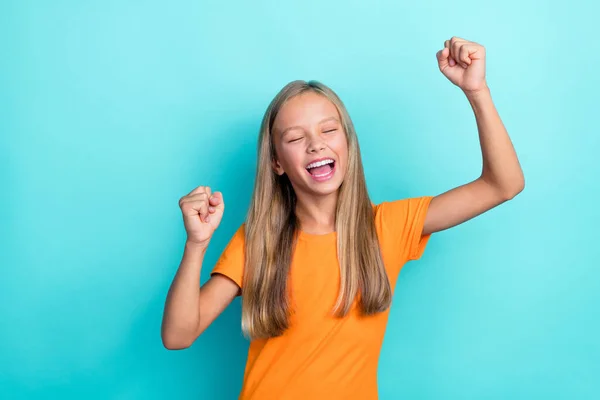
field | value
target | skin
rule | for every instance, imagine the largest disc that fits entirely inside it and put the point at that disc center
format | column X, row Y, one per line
column 501, row 179
column 308, row 128
column 189, row 311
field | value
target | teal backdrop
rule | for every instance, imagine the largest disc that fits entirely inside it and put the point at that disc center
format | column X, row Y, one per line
column 110, row 111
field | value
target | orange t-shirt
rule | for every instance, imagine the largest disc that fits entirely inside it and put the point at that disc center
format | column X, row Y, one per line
column 321, row 356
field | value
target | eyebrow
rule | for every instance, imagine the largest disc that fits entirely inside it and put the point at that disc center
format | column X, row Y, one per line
column 286, row 130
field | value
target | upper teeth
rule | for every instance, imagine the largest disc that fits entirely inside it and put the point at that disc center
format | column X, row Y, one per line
column 319, row 163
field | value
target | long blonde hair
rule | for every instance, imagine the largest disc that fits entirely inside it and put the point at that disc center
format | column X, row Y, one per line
column 271, row 231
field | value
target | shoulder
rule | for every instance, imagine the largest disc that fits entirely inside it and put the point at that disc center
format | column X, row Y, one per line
column 240, row 233
column 231, row 261
column 237, row 240
column 399, row 224
column 401, row 210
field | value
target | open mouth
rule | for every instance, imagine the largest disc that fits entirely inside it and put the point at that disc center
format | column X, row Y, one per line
column 321, row 168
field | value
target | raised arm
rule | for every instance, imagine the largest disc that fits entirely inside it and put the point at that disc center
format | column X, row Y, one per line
column 463, row 63
column 189, row 309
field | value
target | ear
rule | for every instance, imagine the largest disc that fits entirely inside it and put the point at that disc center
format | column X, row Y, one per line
column 277, row 167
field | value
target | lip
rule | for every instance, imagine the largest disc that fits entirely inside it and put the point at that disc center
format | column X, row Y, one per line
column 326, row 177
column 321, row 159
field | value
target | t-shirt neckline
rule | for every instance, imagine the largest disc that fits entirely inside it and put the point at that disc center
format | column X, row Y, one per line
column 316, row 236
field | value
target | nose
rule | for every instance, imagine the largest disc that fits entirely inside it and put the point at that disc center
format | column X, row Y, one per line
column 316, row 145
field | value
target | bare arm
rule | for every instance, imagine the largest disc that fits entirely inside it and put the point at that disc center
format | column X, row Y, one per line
column 502, row 177
column 189, row 310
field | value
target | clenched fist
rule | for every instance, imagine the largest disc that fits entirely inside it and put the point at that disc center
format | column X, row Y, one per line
column 463, row 63
column 202, row 212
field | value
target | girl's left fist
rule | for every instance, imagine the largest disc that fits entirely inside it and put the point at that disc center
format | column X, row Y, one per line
column 463, row 63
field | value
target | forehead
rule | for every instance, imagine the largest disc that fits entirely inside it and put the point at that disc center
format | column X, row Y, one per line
column 305, row 109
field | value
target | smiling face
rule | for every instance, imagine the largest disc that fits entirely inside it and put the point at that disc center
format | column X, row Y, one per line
column 310, row 144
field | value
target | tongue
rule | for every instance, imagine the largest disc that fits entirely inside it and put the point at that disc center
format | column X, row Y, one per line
column 320, row 170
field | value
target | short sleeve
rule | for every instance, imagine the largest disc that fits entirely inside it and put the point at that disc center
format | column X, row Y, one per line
column 402, row 223
column 231, row 261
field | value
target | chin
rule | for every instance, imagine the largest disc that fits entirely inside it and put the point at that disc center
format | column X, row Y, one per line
column 324, row 189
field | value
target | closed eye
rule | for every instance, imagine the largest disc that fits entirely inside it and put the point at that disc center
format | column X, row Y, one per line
column 295, row 140
column 330, row 130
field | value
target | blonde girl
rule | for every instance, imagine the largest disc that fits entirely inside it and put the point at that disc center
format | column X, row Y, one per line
column 315, row 261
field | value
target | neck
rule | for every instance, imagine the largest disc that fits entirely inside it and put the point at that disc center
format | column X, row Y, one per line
column 317, row 214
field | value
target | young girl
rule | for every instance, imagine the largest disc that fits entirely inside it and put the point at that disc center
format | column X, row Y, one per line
column 316, row 262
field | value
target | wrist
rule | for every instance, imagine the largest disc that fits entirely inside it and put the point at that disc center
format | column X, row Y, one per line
column 196, row 247
column 483, row 88
column 478, row 94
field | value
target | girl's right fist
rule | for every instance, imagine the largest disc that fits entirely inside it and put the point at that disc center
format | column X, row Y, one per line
column 202, row 212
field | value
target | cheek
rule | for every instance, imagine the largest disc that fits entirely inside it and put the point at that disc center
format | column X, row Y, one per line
column 289, row 157
column 340, row 146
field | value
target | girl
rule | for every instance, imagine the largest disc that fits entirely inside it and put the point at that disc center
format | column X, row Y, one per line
column 316, row 262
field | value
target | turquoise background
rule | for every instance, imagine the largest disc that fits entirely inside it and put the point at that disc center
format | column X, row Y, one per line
column 110, row 111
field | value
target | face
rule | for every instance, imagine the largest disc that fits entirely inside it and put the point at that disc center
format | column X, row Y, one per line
column 311, row 145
